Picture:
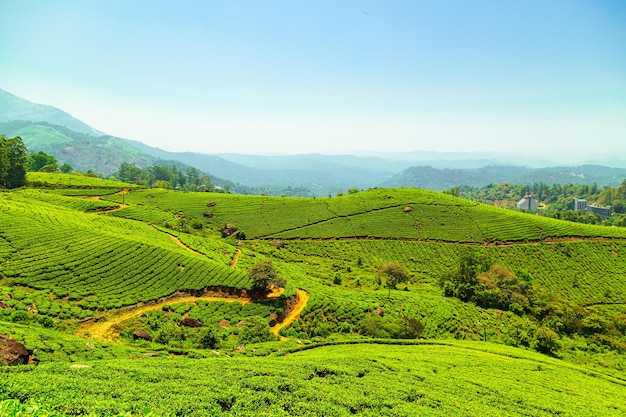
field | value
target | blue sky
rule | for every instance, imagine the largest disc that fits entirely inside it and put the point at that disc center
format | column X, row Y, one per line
column 538, row 78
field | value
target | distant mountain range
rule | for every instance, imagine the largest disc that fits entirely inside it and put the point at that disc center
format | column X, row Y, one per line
column 46, row 128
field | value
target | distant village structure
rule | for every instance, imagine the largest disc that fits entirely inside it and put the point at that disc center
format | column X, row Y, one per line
column 604, row 212
column 581, row 205
column 528, row 203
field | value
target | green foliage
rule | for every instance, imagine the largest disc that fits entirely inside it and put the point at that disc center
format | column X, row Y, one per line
column 462, row 282
column 546, row 341
column 255, row 329
column 393, row 274
column 390, row 327
column 446, row 378
column 41, row 161
column 263, row 276
column 66, row 168
column 74, row 253
column 13, row 162
column 208, row 339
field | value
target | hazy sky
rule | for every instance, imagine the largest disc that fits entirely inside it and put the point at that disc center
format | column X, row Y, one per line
column 543, row 77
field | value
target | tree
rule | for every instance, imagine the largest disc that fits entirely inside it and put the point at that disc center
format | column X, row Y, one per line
column 208, row 339
column 129, row 172
column 4, row 158
column 13, row 162
column 264, row 277
column 546, row 341
column 41, row 161
column 193, row 177
column 393, row 274
column 66, row 168
column 462, row 282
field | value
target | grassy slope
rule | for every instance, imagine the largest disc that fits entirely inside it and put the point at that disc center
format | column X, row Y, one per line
column 377, row 213
column 431, row 380
column 74, row 180
column 50, row 243
column 99, row 261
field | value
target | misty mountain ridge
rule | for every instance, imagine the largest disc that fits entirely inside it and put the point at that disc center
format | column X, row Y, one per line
column 16, row 108
column 46, row 128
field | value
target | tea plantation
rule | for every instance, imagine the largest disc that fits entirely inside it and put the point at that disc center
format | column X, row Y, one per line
column 139, row 301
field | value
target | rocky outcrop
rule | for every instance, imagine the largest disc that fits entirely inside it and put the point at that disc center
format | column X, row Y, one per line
column 189, row 322
column 13, row 352
column 142, row 335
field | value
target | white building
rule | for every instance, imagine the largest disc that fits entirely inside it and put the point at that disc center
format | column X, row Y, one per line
column 580, row 204
column 528, row 203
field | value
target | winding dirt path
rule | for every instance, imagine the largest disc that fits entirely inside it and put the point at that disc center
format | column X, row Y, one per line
column 105, row 330
column 294, row 314
column 120, row 207
column 235, row 258
column 182, row 245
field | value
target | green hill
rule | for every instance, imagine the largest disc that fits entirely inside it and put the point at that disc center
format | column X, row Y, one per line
column 79, row 259
column 102, row 154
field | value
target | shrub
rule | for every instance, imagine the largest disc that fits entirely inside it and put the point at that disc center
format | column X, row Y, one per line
column 208, row 339
column 546, row 341
column 255, row 329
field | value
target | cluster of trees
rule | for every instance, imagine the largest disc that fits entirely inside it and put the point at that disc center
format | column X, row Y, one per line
column 165, row 176
column 43, row 162
column 477, row 279
column 13, row 162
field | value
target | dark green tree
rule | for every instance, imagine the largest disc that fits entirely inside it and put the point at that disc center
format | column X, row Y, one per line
column 4, row 159
column 66, row 168
column 264, row 276
column 41, row 161
column 461, row 282
column 129, row 172
column 14, row 161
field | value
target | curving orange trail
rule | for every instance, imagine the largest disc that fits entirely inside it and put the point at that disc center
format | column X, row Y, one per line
column 105, row 331
column 294, row 314
column 182, row 245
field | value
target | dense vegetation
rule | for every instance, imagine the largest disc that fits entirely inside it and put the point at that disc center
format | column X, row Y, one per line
column 163, row 272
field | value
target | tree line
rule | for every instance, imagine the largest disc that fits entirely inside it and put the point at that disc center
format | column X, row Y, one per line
column 165, row 176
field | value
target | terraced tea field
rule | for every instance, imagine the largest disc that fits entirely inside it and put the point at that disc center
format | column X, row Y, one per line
column 378, row 213
column 439, row 379
column 74, row 260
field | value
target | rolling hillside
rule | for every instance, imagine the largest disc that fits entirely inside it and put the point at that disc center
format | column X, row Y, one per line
column 96, row 263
